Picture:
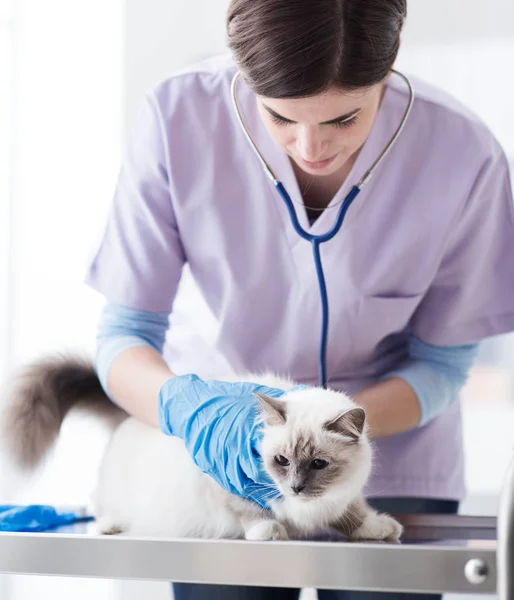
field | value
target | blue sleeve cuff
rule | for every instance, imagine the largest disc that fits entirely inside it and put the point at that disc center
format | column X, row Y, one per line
column 121, row 328
column 437, row 374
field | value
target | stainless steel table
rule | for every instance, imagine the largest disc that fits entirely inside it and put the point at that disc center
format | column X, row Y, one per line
column 438, row 554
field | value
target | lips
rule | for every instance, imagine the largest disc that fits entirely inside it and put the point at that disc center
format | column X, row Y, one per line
column 320, row 164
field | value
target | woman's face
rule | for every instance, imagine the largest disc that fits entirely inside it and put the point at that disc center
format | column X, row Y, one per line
column 322, row 132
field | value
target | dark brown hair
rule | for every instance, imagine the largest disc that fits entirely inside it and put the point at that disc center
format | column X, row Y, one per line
column 299, row 48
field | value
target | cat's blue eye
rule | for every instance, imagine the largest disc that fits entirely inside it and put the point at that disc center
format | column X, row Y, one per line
column 282, row 460
column 319, row 463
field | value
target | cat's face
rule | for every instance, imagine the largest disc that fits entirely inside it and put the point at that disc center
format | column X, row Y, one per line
column 314, row 445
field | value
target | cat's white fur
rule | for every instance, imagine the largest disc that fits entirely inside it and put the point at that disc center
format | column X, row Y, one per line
column 149, row 485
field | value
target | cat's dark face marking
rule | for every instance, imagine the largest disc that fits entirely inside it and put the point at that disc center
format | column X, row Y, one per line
column 306, row 463
column 310, row 465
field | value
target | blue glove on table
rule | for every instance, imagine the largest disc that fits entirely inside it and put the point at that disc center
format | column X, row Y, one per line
column 217, row 421
column 36, row 517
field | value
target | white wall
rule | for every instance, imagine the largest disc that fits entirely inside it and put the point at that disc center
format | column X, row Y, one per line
column 7, row 118
column 165, row 35
column 65, row 92
column 450, row 21
column 68, row 141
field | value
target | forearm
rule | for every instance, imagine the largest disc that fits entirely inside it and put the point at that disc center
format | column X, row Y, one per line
column 426, row 385
column 135, row 379
column 129, row 359
column 391, row 407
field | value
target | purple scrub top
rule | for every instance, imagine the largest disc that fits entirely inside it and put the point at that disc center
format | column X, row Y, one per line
column 428, row 245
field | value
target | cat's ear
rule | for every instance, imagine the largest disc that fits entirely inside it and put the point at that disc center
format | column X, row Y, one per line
column 349, row 424
column 274, row 410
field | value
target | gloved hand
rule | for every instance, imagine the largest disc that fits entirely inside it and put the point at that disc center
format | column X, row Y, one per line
column 217, row 421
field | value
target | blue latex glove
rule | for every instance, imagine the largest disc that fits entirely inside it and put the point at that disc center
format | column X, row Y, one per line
column 217, row 421
column 36, row 517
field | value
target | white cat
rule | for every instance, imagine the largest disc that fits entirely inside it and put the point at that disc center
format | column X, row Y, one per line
column 314, row 448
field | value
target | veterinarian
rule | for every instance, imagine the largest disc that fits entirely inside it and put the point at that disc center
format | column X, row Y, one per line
column 421, row 270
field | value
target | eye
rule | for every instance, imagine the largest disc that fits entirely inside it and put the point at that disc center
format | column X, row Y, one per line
column 319, row 463
column 343, row 124
column 338, row 124
column 282, row 460
column 279, row 121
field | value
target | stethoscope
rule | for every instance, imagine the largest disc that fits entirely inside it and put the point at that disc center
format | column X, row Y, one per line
column 317, row 240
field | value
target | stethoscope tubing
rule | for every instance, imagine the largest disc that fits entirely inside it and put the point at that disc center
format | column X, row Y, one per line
column 317, row 240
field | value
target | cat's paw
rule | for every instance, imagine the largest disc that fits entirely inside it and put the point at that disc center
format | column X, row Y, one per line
column 108, row 526
column 266, row 530
column 378, row 527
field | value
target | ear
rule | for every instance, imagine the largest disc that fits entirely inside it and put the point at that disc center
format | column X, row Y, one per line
column 274, row 410
column 350, row 423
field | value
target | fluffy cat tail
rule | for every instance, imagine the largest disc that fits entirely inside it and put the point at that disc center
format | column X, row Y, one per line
column 40, row 395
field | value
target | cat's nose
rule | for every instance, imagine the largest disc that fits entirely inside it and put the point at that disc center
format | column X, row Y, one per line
column 297, row 488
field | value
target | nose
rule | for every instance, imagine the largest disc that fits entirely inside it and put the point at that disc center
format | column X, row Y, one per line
column 309, row 144
column 297, row 488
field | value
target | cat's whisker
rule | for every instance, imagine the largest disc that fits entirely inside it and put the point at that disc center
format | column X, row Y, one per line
column 262, row 486
column 263, row 498
column 255, row 490
column 268, row 486
column 264, row 495
column 352, row 518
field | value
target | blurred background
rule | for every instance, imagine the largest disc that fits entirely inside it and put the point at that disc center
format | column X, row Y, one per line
column 72, row 78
